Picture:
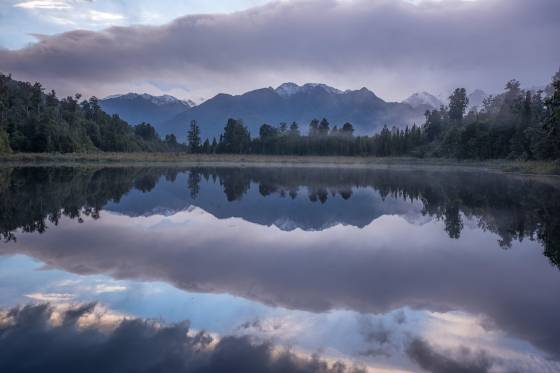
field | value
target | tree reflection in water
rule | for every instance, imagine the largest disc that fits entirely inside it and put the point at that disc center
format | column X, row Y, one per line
column 515, row 208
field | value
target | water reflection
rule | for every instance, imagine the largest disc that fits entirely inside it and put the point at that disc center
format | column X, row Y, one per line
column 515, row 208
column 373, row 242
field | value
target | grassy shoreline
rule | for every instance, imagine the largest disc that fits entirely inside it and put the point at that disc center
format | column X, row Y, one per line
column 183, row 159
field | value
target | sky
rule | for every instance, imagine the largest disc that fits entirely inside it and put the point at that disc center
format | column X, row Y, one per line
column 194, row 49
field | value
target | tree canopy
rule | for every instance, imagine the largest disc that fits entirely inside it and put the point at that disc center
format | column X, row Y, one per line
column 34, row 121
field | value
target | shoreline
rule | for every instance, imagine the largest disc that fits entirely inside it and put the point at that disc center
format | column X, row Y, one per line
column 548, row 168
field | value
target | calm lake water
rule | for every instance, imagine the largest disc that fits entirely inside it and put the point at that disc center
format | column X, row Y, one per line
column 394, row 270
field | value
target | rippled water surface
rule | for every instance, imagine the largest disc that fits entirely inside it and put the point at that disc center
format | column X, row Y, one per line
column 391, row 270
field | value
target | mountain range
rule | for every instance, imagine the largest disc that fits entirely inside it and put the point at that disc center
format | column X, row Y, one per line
column 137, row 108
column 290, row 102
column 287, row 103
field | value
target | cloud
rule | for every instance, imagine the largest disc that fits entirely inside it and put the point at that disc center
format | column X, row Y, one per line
column 106, row 288
column 98, row 16
column 51, row 297
column 43, row 4
column 195, row 251
column 463, row 360
column 376, row 333
column 30, row 342
column 393, row 47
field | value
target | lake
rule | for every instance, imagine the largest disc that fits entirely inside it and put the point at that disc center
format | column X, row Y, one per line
column 392, row 270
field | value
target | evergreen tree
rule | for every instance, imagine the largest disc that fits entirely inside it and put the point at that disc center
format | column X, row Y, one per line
column 236, row 137
column 458, row 103
column 552, row 124
column 206, row 147
column 193, row 137
column 347, row 129
column 294, row 130
column 214, row 146
column 314, row 128
column 324, row 127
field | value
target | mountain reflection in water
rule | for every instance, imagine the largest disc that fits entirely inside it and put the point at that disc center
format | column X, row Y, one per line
column 514, row 208
column 310, row 239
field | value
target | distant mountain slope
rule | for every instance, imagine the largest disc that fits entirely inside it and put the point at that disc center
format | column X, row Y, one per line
column 425, row 100
column 291, row 102
column 136, row 108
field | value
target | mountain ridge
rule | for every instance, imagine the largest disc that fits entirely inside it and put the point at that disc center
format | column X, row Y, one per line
column 291, row 102
column 287, row 102
column 136, row 108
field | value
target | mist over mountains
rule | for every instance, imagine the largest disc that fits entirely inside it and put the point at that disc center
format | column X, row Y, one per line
column 287, row 103
column 429, row 101
column 423, row 99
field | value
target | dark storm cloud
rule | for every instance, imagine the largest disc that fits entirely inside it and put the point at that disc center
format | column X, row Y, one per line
column 29, row 342
column 478, row 43
column 462, row 361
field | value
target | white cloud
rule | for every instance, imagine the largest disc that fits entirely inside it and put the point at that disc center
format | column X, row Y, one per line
column 106, row 288
column 98, row 16
column 43, row 4
column 72, row 14
column 51, row 297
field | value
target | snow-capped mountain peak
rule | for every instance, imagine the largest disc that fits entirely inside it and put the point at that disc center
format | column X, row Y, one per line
column 156, row 100
column 289, row 89
column 325, row 87
column 423, row 98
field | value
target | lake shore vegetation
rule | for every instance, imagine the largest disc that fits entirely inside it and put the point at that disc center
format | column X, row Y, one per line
column 518, row 126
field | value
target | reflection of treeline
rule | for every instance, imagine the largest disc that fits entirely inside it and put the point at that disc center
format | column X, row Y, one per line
column 31, row 197
column 513, row 208
column 237, row 181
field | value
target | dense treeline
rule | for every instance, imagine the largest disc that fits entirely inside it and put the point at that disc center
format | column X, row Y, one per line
column 517, row 124
column 32, row 121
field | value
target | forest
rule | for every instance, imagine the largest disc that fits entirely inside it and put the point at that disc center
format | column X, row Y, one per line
column 37, row 122
column 516, row 124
